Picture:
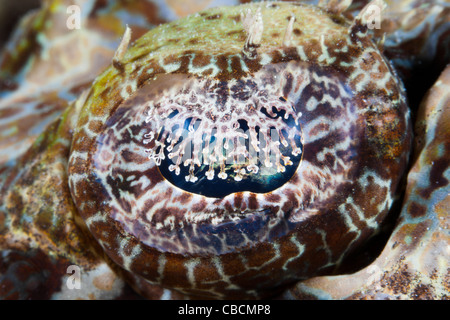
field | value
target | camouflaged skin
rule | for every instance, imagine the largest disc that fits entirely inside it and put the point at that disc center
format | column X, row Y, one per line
column 415, row 261
column 35, row 90
column 32, row 273
column 246, row 244
column 41, row 239
column 46, row 65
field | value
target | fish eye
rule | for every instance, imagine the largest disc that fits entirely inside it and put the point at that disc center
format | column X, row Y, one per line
column 237, row 171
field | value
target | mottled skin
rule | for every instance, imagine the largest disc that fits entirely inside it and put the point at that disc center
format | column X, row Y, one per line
column 415, row 261
column 42, row 86
column 246, row 244
column 41, row 230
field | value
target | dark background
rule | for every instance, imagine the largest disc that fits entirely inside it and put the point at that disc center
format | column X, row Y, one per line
column 10, row 13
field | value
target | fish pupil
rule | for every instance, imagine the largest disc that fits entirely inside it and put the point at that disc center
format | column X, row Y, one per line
column 252, row 170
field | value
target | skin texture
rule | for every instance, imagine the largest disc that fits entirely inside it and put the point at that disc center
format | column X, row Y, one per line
column 226, row 240
column 47, row 224
column 36, row 89
column 414, row 263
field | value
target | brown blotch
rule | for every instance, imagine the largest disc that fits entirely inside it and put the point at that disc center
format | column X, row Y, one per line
column 321, row 127
column 184, row 62
column 83, row 143
column 288, row 54
column 236, row 18
column 199, row 206
column 130, row 156
column 214, row 17
column 257, row 258
column 207, row 272
column 129, row 89
column 118, row 66
column 193, row 41
column 38, row 276
column 207, row 72
column 252, row 202
column 170, row 59
column 104, row 94
column 238, row 200
column 273, row 197
column 272, row 6
column 9, row 112
column 222, row 63
column 416, row 210
column 184, row 198
column 201, row 60
column 338, row 19
column 436, row 179
column 95, row 126
column 175, row 274
column 417, row 232
column 154, row 175
column 2, row 222
column 146, row 74
column 297, row 31
column 228, row 207
column 423, row 292
column 235, row 64
column 234, row 32
column 242, row 37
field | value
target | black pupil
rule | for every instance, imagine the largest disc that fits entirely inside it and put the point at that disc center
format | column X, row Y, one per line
column 266, row 178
